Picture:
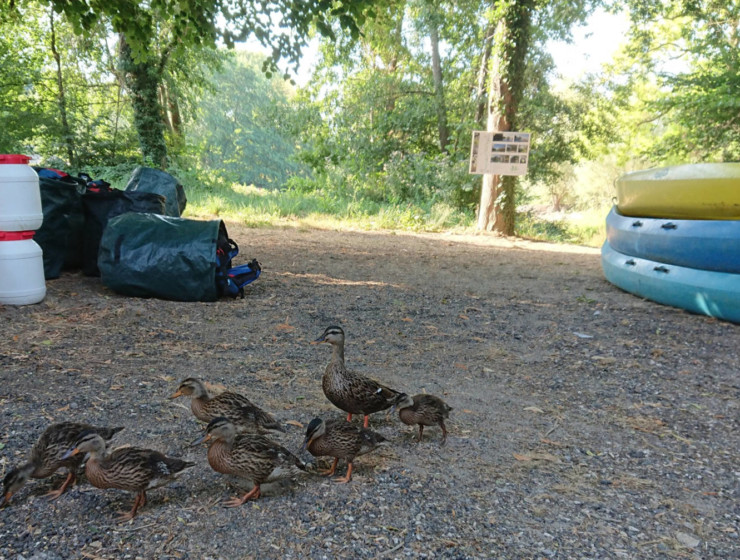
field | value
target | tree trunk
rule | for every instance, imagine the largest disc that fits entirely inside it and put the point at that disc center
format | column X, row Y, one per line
column 163, row 103
column 397, row 39
column 497, row 209
column 61, row 95
column 142, row 80
column 480, row 91
column 439, row 92
column 174, row 110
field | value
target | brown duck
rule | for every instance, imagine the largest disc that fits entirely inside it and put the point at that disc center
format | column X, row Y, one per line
column 245, row 415
column 126, row 468
column 46, row 457
column 349, row 391
column 424, row 410
column 338, row 439
column 250, row 456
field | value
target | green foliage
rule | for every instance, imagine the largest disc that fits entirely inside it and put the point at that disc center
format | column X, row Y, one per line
column 30, row 117
column 240, row 129
column 314, row 205
column 199, row 23
column 588, row 231
column 677, row 84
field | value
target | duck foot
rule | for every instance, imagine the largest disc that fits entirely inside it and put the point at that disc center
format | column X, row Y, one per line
column 54, row 494
column 347, row 477
column 330, row 471
column 254, row 493
column 138, row 502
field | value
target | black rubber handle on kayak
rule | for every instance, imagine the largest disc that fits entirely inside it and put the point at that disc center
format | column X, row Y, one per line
column 669, row 225
column 630, row 262
column 662, row 269
column 637, row 223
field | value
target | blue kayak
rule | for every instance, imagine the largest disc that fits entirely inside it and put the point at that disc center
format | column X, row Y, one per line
column 707, row 292
column 704, row 244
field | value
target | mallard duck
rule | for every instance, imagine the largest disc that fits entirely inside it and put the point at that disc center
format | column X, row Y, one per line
column 424, row 410
column 46, row 457
column 338, row 439
column 246, row 416
column 349, row 391
column 126, row 468
column 250, row 456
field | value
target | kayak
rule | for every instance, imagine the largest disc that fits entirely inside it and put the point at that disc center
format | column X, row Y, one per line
column 706, row 292
column 700, row 191
column 705, row 244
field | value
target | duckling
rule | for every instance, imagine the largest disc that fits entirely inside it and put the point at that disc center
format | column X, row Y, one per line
column 246, row 416
column 46, row 458
column 424, row 410
column 126, row 468
column 349, row 391
column 250, row 456
column 338, row 439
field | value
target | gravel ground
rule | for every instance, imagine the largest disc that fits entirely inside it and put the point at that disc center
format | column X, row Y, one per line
column 587, row 422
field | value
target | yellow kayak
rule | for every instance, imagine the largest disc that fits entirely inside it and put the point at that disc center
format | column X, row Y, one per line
column 700, row 191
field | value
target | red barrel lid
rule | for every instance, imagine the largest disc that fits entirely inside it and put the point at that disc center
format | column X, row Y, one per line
column 14, row 158
column 16, row 235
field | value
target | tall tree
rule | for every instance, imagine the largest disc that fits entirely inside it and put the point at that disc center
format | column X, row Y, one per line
column 68, row 137
column 439, row 90
column 511, row 43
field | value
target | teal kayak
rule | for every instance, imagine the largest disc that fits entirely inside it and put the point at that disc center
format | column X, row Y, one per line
column 706, row 292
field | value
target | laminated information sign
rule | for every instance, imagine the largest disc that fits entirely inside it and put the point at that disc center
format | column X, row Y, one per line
column 499, row 153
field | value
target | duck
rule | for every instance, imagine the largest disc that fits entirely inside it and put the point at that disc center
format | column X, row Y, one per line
column 46, row 457
column 349, row 391
column 246, row 416
column 424, row 410
column 133, row 469
column 341, row 440
column 247, row 455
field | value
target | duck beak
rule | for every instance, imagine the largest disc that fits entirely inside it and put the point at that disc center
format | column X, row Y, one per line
column 200, row 440
column 319, row 340
column 70, row 453
column 306, row 443
column 176, row 394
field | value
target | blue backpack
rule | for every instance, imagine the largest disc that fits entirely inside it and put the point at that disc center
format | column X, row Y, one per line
column 231, row 280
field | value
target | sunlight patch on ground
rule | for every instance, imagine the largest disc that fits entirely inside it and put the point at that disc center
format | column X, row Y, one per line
column 328, row 280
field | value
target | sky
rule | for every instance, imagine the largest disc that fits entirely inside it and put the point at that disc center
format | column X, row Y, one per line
column 592, row 46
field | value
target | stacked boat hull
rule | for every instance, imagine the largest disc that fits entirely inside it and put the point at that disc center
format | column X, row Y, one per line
column 666, row 254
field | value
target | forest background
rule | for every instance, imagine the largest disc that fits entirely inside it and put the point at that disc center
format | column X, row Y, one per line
column 378, row 135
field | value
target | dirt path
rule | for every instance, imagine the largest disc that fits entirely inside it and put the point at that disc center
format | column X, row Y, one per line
column 587, row 423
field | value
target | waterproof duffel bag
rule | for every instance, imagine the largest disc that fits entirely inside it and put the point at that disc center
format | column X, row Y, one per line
column 149, row 255
column 147, row 179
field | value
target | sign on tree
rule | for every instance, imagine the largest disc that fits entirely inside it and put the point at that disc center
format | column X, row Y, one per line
column 499, row 153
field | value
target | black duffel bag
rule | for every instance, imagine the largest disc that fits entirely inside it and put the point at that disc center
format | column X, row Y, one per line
column 60, row 234
column 100, row 207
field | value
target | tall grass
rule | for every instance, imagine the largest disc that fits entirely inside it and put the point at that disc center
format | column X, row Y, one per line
column 210, row 196
column 587, row 227
column 257, row 207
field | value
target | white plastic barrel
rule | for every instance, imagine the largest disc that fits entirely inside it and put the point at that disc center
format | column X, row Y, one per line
column 21, row 269
column 20, row 196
